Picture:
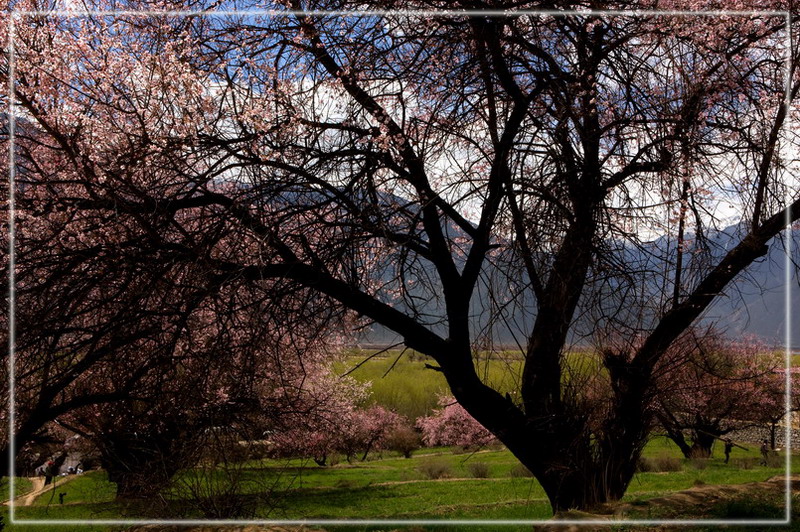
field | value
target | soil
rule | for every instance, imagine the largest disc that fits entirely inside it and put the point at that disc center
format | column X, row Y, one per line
column 27, row 499
column 693, row 503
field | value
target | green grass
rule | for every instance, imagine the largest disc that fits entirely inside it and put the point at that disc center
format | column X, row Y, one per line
column 90, row 487
column 395, row 488
column 403, row 383
column 21, row 485
column 755, row 505
column 407, row 388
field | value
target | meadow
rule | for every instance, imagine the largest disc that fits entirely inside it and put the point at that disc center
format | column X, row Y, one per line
column 402, row 382
column 443, row 483
column 438, row 483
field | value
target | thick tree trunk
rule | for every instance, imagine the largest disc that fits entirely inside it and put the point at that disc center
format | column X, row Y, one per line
column 580, row 471
column 702, row 442
column 584, row 489
column 577, row 468
column 139, row 466
column 586, row 465
column 678, row 438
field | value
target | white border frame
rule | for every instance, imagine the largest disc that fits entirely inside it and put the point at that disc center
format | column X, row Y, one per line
column 15, row 14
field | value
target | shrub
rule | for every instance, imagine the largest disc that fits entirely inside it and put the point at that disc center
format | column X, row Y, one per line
column 478, row 469
column 404, row 440
column 773, row 460
column 645, row 465
column 435, row 469
column 745, row 463
column 520, row 471
column 659, row 464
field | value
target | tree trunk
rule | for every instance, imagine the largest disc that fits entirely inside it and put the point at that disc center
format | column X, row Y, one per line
column 702, row 441
column 678, row 438
column 139, row 466
column 578, row 464
column 773, row 428
column 569, row 487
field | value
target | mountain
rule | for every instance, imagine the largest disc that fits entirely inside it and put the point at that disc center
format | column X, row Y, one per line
column 754, row 304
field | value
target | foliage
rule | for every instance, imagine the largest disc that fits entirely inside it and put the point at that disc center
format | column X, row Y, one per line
column 434, row 468
column 659, row 464
column 348, row 430
column 710, row 386
column 450, row 424
column 403, row 439
column 191, row 186
column 478, row 469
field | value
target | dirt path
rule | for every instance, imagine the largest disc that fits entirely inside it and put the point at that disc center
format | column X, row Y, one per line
column 699, row 499
column 39, row 488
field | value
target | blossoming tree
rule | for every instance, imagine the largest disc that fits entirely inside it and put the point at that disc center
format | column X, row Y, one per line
column 553, row 177
column 710, row 387
column 450, row 424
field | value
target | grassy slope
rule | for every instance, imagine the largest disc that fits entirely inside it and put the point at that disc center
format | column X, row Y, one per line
column 21, row 485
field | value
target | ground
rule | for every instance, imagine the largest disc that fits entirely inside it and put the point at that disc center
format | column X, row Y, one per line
column 391, row 487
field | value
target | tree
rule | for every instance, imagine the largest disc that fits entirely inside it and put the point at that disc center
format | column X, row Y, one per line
column 711, row 387
column 370, row 431
column 214, row 386
column 773, row 408
column 450, row 424
column 562, row 177
column 403, row 439
column 322, row 420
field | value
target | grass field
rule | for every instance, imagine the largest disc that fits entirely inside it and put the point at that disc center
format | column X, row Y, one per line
column 489, row 484
column 22, row 485
column 391, row 488
column 401, row 382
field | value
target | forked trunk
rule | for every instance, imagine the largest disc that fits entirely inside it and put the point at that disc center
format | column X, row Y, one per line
column 568, row 490
column 579, row 468
column 579, row 463
column 585, row 472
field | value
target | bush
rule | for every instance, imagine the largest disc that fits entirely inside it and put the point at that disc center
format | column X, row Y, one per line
column 748, row 508
column 659, row 464
column 746, row 463
column 478, row 469
column 404, row 440
column 773, row 460
column 520, row 471
column 645, row 465
column 435, row 469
